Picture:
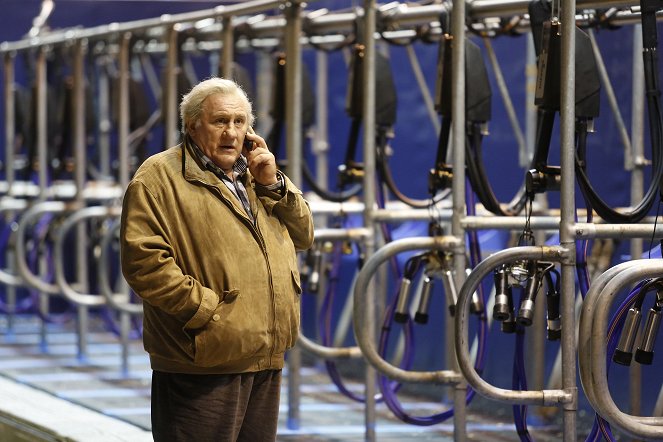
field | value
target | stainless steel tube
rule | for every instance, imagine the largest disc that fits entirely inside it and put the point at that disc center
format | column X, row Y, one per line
column 485, row 267
column 364, row 298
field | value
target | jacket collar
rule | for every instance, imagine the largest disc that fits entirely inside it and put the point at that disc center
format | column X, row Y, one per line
column 197, row 166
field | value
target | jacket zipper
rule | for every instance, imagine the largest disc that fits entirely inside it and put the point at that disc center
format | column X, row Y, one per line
column 261, row 242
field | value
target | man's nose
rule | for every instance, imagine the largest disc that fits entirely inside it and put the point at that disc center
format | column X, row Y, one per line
column 230, row 132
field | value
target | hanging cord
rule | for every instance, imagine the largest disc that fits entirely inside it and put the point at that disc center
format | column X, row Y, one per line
column 479, row 178
column 582, row 271
column 388, row 392
column 477, row 114
column 653, row 233
column 652, row 91
column 519, row 377
column 324, row 327
column 386, row 176
column 519, row 382
column 275, row 135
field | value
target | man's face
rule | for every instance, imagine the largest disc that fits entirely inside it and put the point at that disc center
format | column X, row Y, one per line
column 221, row 130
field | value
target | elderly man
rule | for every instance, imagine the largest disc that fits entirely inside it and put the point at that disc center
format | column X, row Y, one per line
column 210, row 231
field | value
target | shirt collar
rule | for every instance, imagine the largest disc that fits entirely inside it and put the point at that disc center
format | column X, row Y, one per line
column 239, row 168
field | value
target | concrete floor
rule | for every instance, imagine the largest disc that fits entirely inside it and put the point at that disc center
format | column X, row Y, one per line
column 49, row 392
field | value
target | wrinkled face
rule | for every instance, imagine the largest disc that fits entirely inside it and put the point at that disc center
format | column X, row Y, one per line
column 221, row 129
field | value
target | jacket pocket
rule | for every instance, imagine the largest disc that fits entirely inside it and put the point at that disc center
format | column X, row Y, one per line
column 296, row 307
column 230, row 335
column 296, row 281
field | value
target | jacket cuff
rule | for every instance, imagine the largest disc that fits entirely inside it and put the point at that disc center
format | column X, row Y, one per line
column 205, row 310
column 276, row 190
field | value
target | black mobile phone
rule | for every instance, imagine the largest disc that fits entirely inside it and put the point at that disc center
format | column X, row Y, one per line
column 248, row 144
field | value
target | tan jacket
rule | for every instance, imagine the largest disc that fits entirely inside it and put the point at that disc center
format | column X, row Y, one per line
column 220, row 294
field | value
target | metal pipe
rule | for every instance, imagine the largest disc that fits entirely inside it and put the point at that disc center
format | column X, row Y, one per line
column 585, row 325
column 506, row 8
column 80, row 169
column 320, row 142
column 567, row 209
column 637, row 164
column 484, row 268
column 329, row 352
column 123, row 110
column 166, row 20
column 363, row 299
column 228, row 48
column 293, row 114
column 76, row 218
column 169, row 101
column 28, row 217
column 42, row 126
column 10, row 116
column 369, row 185
column 7, row 277
column 352, row 234
column 459, row 264
column 319, row 24
column 635, row 426
column 118, row 301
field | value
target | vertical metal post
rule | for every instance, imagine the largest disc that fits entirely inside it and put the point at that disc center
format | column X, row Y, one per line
column 537, row 337
column 228, row 49
column 124, row 75
column 567, row 206
column 123, row 110
column 321, row 140
column 41, row 115
column 10, row 139
column 368, row 112
column 10, row 117
column 637, row 184
column 79, row 119
column 458, row 182
column 170, row 88
column 293, row 115
column 42, row 126
column 104, row 125
column 78, row 122
column 264, row 77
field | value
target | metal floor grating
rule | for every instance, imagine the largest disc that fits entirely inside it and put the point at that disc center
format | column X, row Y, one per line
column 98, row 384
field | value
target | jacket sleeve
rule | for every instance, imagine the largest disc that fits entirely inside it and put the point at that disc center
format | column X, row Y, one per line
column 149, row 265
column 293, row 211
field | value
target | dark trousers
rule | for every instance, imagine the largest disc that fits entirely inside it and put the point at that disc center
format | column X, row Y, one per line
column 215, row 408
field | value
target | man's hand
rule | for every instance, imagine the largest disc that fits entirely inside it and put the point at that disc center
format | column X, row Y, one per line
column 262, row 163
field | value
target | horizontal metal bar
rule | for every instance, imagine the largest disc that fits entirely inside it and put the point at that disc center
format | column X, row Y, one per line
column 317, row 22
column 165, row 20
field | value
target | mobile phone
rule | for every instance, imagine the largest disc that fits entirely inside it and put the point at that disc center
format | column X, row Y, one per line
column 248, row 144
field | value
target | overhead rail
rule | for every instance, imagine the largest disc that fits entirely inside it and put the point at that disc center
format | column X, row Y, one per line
column 103, row 31
column 317, row 23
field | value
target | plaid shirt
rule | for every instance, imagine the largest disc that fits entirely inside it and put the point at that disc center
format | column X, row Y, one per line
column 235, row 185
